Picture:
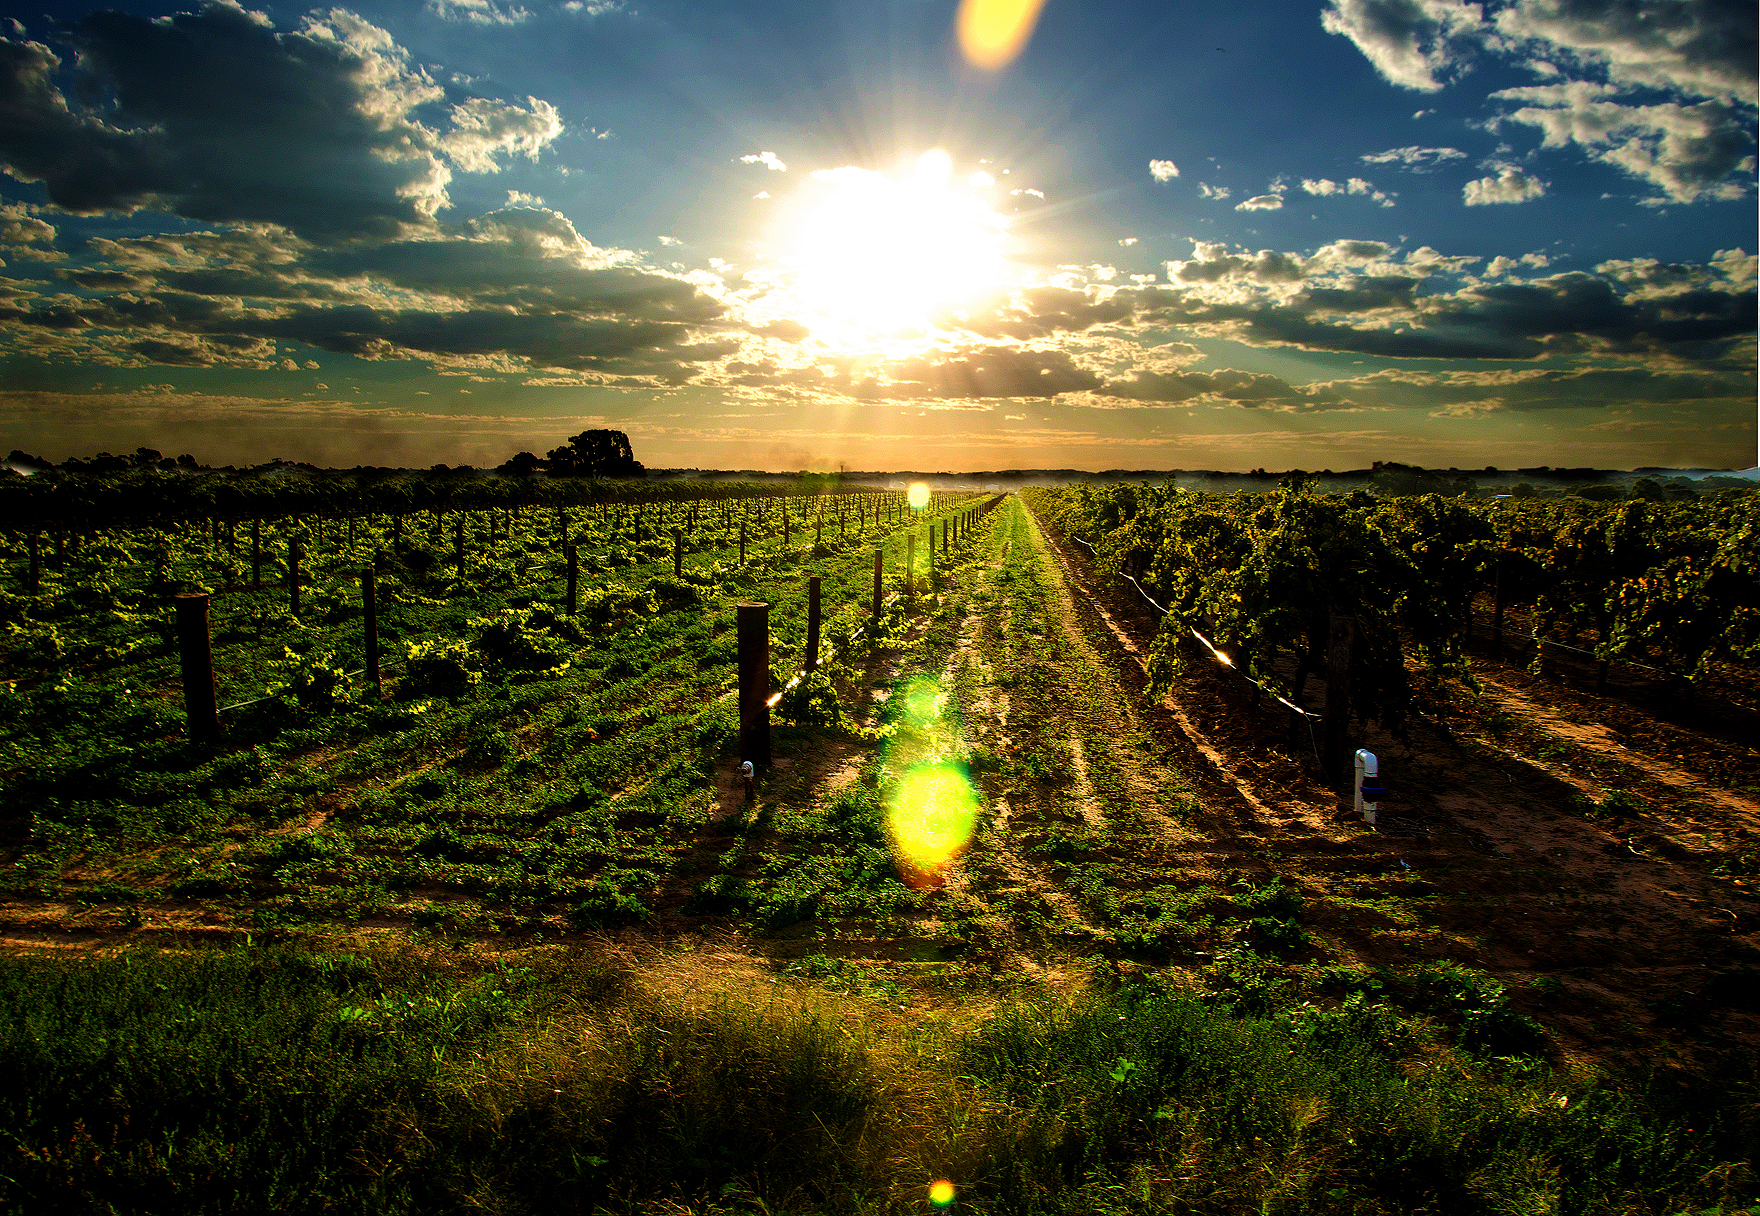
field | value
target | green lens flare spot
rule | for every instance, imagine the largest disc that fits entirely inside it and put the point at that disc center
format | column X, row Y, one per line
column 923, row 700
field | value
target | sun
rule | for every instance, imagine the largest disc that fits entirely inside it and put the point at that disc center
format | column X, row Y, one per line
column 865, row 255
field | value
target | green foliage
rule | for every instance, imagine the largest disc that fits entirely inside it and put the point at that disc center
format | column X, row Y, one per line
column 519, row 639
column 314, row 680
column 438, row 668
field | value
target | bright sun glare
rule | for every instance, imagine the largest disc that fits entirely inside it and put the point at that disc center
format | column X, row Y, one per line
column 871, row 256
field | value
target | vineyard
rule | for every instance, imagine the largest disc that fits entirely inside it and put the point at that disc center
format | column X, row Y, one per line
column 385, row 846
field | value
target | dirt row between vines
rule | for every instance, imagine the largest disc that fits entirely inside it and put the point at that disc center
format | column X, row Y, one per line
column 1484, row 855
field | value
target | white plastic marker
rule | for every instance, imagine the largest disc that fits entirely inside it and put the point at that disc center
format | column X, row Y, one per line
column 1368, row 786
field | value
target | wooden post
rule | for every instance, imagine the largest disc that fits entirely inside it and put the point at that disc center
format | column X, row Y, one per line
column 785, row 523
column 910, row 567
column 293, row 575
column 879, row 593
column 397, row 533
column 370, row 601
column 574, row 570
column 458, row 543
column 1336, row 727
column 812, row 663
column 196, row 654
column 1497, row 612
column 742, row 540
column 754, row 684
column 256, row 553
column 34, row 579
column 678, row 553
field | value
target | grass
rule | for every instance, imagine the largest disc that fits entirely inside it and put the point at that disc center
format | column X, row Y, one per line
column 1094, row 1018
column 294, row 1079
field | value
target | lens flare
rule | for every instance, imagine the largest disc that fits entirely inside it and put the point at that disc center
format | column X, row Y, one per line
column 919, row 495
column 993, row 32
column 941, row 1193
column 930, row 818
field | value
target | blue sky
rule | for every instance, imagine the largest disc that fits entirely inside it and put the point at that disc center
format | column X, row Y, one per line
column 809, row 235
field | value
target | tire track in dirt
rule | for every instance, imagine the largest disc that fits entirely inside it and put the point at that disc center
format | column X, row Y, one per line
column 989, row 709
column 1599, row 739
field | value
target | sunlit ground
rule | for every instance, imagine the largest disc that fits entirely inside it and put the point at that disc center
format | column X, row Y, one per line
column 931, row 805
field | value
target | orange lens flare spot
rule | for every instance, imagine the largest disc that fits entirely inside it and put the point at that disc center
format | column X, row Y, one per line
column 941, row 1193
column 993, row 32
column 930, row 818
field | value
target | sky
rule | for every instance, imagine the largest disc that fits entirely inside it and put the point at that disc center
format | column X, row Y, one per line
column 884, row 234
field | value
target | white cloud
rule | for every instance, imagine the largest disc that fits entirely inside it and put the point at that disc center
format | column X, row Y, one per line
column 1261, row 202
column 477, row 12
column 1356, row 185
column 670, row 240
column 1128, row 241
column 1500, row 266
column 762, row 194
column 1693, row 144
column 1417, row 44
column 593, row 8
column 519, row 198
column 1215, row 192
column 768, row 159
column 484, row 129
column 1689, row 151
column 1538, row 260
column 1697, row 50
column 1163, row 170
column 1028, row 190
column 1511, row 185
column 1413, row 157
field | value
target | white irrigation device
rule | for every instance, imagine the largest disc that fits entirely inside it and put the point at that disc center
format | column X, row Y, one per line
column 1368, row 785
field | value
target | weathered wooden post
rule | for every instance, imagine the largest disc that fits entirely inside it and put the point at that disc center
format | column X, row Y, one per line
column 458, row 543
column 812, row 663
column 195, row 651
column 1337, row 723
column 34, row 579
column 879, row 594
column 754, row 684
column 574, row 570
column 293, row 575
column 370, row 603
column 397, row 532
column 785, row 523
column 256, row 554
column 678, row 553
column 910, row 567
column 742, row 540
column 1497, row 611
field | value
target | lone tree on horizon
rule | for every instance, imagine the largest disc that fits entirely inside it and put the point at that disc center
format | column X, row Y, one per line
column 594, row 454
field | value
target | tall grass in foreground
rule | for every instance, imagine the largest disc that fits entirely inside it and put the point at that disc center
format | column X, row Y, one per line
column 273, row 1080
